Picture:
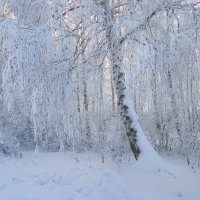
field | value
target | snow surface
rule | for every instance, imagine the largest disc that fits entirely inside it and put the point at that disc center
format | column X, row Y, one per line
column 55, row 176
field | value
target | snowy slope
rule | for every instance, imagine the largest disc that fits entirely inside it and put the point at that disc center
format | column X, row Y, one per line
column 52, row 176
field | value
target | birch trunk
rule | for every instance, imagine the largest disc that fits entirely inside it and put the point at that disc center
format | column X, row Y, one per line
column 119, row 82
column 120, row 86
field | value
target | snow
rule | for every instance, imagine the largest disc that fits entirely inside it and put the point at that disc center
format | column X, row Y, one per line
column 55, row 176
column 148, row 154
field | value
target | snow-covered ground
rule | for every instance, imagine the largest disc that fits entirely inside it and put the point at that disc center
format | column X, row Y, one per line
column 52, row 176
